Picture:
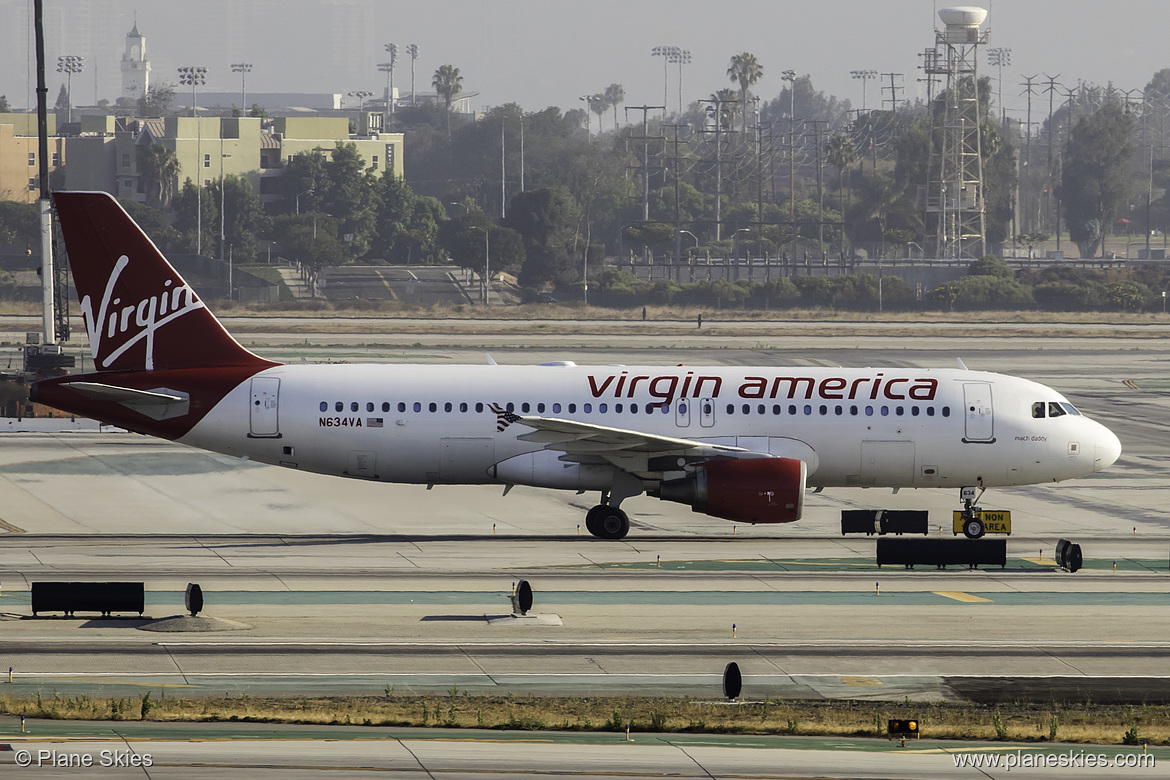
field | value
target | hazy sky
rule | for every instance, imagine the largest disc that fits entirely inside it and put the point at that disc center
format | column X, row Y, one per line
column 551, row 52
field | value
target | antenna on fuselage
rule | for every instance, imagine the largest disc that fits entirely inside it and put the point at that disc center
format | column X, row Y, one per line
column 962, row 365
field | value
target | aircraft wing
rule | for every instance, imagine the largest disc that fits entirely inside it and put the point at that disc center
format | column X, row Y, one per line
column 634, row 451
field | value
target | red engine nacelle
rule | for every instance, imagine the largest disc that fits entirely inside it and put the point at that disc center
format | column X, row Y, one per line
column 756, row 490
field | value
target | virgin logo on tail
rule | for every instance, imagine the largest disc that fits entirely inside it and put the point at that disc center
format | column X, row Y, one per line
column 137, row 320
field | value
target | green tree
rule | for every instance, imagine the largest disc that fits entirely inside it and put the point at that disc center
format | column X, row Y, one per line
column 310, row 238
column 159, row 100
column 4, row 107
column 154, row 223
column 615, row 94
column 448, row 83
column 304, row 181
column 258, row 111
column 407, row 225
column 159, row 168
column 243, row 217
column 62, row 104
column 1096, row 179
column 990, row 265
column 350, row 195
column 546, row 219
column 598, row 105
column 19, row 223
column 188, row 205
column 746, row 70
column 841, row 153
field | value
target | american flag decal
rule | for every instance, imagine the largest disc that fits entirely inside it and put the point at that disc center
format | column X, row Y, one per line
column 373, row 422
column 504, row 418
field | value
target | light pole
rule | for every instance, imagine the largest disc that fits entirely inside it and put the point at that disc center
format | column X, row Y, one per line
column 298, row 199
column 361, row 95
column 412, row 50
column 790, row 77
column 70, row 64
column 864, row 76
column 667, row 53
column 195, row 76
column 487, row 274
column 392, row 50
column 222, row 234
column 681, row 57
column 999, row 57
column 388, row 69
column 243, row 68
column 735, row 240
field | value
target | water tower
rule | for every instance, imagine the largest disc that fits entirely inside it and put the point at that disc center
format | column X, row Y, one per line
column 954, row 198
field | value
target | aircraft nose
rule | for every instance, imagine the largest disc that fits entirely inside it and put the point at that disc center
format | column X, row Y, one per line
column 1106, row 449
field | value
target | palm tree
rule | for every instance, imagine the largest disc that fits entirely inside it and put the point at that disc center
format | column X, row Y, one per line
column 159, row 167
column 615, row 94
column 747, row 70
column 841, row 152
column 448, row 83
column 598, row 105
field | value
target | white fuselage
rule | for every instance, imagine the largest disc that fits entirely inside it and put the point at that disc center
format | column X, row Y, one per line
column 853, row 427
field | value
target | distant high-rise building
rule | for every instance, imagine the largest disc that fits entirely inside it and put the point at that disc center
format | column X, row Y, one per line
column 135, row 66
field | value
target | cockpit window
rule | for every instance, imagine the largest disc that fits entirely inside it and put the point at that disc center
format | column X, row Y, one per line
column 1070, row 408
column 1038, row 410
column 1054, row 410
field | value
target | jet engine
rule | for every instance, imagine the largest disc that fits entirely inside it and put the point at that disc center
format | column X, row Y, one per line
column 755, row 490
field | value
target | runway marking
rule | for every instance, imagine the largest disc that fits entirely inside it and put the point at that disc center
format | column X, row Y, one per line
column 861, row 682
column 958, row 595
column 10, row 528
column 388, row 287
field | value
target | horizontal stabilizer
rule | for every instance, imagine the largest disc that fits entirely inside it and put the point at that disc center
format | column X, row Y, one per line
column 158, row 404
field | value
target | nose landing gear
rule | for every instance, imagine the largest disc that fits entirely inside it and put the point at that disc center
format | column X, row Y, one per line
column 972, row 523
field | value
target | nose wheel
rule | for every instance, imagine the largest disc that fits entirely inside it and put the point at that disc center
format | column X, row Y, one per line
column 607, row 522
column 973, row 527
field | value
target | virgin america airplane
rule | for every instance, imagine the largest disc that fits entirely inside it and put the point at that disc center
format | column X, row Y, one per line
column 743, row 444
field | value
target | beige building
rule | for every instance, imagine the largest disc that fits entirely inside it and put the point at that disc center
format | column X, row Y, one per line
column 19, row 167
column 105, row 156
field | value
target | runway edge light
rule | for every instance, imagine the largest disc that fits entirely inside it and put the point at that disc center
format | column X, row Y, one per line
column 903, row 728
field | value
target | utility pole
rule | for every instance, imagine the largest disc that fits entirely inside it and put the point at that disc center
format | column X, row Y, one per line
column 645, row 139
column 894, row 90
column 1051, row 90
column 1028, row 90
column 715, row 109
column 677, row 196
column 818, row 124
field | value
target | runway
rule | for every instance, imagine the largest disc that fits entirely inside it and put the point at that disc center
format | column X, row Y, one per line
column 350, row 587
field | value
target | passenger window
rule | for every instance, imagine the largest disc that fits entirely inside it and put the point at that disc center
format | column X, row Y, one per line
column 807, row 409
column 617, row 408
column 792, row 409
column 463, row 407
column 885, row 411
column 707, row 409
column 747, row 409
column 760, row 409
column 1038, row 410
column 385, row 406
column 324, row 406
column 602, row 408
column 511, row 407
column 731, row 408
column 930, row 411
column 665, row 408
column 479, row 408
column 369, row 406
column 869, row 411
column 401, row 406
column 682, row 408
column 339, row 406
column 913, row 411
column 824, row 410
column 556, row 408
column 572, row 408
column 899, row 411
column 633, row 408
column 853, row 410
column 540, row 408
column 946, row 410
column 837, row 410
column 353, row 406
column 447, row 407
column 777, row 409
column 417, row 406
column 433, row 407
column 587, row 408
column 1054, row 410
column 524, row 407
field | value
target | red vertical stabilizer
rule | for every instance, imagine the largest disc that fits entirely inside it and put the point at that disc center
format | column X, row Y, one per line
column 139, row 313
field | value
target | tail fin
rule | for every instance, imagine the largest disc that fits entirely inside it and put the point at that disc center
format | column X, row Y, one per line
column 138, row 312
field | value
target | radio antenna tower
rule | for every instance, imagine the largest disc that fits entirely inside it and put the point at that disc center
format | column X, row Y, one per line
column 954, row 190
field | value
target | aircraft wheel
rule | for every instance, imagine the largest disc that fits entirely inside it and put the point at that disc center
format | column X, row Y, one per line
column 973, row 528
column 607, row 522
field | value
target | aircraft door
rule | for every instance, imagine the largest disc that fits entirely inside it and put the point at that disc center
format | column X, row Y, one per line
column 979, row 421
column 682, row 413
column 707, row 412
column 263, row 412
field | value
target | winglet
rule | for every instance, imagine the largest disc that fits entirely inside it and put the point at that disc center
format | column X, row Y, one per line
column 490, row 360
column 962, row 365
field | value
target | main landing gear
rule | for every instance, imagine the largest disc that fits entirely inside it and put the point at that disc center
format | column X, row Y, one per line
column 606, row 521
column 972, row 524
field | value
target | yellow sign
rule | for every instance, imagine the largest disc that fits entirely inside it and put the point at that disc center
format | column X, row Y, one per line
column 994, row 521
